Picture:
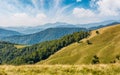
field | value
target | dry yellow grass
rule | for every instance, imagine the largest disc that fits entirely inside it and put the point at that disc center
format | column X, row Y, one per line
column 101, row 30
column 20, row 46
column 100, row 69
column 105, row 45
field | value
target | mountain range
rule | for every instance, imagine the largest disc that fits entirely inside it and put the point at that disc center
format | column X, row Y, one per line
column 16, row 55
column 47, row 32
column 6, row 33
column 97, row 46
column 45, row 35
column 35, row 29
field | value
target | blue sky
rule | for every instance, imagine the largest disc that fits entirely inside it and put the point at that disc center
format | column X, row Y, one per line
column 38, row 12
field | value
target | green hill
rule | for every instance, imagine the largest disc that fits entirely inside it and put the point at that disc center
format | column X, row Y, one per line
column 7, row 33
column 101, row 46
column 45, row 35
column 17, row 54
column 105, row 45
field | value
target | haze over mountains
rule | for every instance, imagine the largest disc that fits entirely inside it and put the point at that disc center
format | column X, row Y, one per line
column 6, row 33
column 45, row 35
column 35, row 29
column 33, row 35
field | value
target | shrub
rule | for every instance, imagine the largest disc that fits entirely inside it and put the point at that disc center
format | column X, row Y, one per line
column 95, row 59
column 118, row 57
column 113, row 61
column 97, row 32
column 0, row 61
column 88, row 42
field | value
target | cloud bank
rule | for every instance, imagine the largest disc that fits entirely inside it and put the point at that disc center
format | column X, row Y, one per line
column 38, row 12
column 105, row 10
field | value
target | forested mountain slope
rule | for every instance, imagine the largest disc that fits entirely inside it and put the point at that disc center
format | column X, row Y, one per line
column 46, row 35
column 6, row 33
column 103, row 46
column 12, row 54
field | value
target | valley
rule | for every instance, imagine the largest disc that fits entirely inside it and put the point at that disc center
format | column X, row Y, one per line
column 93, row 52
column 59, row 37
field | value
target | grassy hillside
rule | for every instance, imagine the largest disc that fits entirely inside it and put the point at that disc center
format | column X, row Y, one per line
column 21, row 54
column 61, row 70
column 105, row 45
column 20, row 46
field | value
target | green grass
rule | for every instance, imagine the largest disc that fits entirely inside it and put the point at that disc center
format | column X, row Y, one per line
column 111, row 69
column 105, row 45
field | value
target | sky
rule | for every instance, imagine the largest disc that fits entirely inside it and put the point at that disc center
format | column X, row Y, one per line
column 39, row 12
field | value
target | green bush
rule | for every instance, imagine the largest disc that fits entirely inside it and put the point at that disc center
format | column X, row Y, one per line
column 95, row 59
column 89, row 42
column 97, row 32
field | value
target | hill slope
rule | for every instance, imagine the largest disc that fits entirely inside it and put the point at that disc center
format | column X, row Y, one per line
column 46, row 35
column 105, row 45
column 20, row 54
column 6, row 33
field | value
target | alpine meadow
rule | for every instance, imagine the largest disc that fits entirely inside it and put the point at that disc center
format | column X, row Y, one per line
column 59, row 37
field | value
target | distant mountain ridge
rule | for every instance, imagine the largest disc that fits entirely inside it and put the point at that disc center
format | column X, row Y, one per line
column 101, row 26
column 35, row 29
column 45, row 35
column 104, row 23
column 6, row 33
column 52, row 31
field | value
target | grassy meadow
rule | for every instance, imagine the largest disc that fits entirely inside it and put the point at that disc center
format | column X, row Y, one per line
column 100, row 69
column 20, row 46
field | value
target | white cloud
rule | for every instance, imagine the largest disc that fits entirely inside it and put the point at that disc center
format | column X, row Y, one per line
column 105, row 10
column 83, row 13
column 20, row 15
column 13, row 13
column 109, row 7
column 41, row 16
column 23, row 19
column 78, row 0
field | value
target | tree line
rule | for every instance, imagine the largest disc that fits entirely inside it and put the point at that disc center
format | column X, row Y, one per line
column 35, row 53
